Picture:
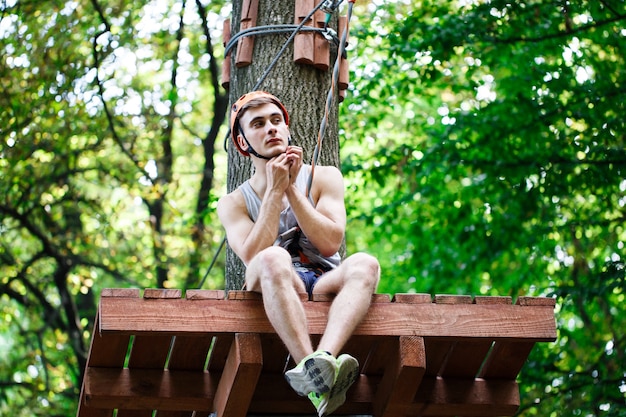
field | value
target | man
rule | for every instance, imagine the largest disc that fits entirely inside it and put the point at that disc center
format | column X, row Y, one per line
column 289, row 243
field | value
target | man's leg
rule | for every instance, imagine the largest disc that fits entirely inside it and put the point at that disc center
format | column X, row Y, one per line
column 272, row 274
column 354, row 282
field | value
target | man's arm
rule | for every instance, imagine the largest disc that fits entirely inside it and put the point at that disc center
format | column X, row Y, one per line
column 325, row 223
column 245, row 237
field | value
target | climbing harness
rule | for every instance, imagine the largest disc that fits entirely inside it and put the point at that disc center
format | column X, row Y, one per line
column 328, row 6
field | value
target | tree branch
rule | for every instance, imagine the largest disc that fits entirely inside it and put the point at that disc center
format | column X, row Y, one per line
column 557, row 35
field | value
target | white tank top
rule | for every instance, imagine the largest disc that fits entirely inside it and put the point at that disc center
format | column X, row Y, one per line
column 289, row 235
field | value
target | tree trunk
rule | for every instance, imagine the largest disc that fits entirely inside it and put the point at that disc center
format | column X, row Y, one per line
column 302, row 88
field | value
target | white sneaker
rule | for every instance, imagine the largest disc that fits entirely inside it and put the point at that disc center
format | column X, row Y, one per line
column 315, row 373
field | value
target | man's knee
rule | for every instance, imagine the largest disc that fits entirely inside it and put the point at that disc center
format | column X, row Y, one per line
column 271, row 263
column 365, row 268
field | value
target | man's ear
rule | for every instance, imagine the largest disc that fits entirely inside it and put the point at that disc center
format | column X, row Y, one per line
column 243, row 144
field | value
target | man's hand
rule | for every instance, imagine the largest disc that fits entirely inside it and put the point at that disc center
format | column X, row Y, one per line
column 278, row 171
column 294, row 155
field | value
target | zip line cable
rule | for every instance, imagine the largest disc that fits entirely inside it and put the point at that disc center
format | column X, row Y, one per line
column 328, row 7
column 208, row 271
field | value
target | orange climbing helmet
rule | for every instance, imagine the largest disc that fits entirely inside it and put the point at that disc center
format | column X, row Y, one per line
column 241, row 104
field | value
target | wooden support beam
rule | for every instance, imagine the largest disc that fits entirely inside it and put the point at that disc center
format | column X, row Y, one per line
column 240, row 376
column 105, row 352
column 465, row 397
column 401, row 379
column 473, row 321
column 148, row 389
column 150, row 351
column 206, row 355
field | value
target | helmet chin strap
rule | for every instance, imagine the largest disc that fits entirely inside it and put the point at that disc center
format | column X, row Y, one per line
column 251, row 150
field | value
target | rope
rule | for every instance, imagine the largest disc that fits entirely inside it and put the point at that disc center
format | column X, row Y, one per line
column 275, row 29
column 329, row 97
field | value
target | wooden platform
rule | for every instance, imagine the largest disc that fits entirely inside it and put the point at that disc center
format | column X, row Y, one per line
column 203, row 355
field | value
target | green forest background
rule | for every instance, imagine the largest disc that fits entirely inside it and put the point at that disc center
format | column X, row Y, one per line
column 483, row 145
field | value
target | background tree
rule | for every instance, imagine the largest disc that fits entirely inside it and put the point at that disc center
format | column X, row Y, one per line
column 301, row 88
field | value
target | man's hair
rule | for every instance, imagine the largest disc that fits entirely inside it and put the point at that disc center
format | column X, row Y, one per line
column 254, row 103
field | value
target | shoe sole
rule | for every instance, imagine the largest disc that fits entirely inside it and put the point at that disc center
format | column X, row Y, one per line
column 316, row 375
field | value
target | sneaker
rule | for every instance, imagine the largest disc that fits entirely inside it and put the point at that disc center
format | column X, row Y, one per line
column 315, row 373
column 320, row 401
column 347, row 374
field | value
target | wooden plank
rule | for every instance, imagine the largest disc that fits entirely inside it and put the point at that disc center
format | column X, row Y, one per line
column 322, row 46
column 179, row 316
column 105, row 351
column 401, row 379
column 453, row 299
column 465, row 397
column 149, row 389
column 190, row 352
column 466, row 358
column 178, row 413
column 244, row 295
column 219, row 352
column 240, row 376
column 376, row 298
column 205, row 294
column 120, row 292
column 506, row 300
column 436, row 354
column 412, row 298
column 161, row 293
column 275, row 354
column 536, row 301
column 150, row 351
column 274, row 396
column 506, row 359
column 371, row 352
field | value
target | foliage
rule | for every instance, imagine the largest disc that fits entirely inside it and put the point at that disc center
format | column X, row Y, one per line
column 482, row 143
column 110, row 116
column 497, row 168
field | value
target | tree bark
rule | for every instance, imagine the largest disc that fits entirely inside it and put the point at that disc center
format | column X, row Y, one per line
column 303, row 90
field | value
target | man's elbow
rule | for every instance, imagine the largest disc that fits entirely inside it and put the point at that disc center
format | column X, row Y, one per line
column 332, row 244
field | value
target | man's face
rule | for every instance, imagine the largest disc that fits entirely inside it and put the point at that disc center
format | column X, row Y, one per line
column 265, row 129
